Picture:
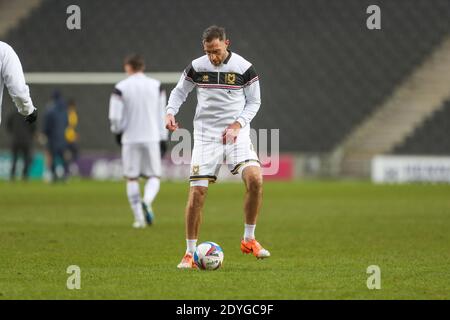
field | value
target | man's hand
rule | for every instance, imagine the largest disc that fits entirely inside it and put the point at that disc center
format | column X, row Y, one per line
column 171, row 124
column 163, row 147
column 31, row 117
column 230, row 134
column 118, row 139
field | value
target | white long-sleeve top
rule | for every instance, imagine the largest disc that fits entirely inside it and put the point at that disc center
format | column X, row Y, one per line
column 136, row 109
column 226, row 93
column 11, row 76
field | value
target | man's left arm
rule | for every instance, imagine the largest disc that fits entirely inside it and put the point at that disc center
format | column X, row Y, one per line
column 14, row 79
column 252, row 97
column 252, row 103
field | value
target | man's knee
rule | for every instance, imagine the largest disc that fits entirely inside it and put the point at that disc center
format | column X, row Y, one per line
column 254, row 182
column 197, row 196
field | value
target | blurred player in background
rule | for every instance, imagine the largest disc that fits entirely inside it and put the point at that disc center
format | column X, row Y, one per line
column 228, row 97
column 72, row 136
column 136, row 117
column 11, row 76
column 22, row 138
column 54, row 128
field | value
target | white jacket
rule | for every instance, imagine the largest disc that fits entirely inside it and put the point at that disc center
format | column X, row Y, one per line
column 11, row 75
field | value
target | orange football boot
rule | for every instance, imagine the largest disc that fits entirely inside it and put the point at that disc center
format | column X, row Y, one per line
column 253, row 246
column 187, row 262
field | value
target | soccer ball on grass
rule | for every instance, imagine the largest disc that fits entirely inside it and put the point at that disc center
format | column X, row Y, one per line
column 208, row 256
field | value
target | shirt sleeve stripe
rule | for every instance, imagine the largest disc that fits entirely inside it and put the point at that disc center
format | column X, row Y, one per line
column 251, row 81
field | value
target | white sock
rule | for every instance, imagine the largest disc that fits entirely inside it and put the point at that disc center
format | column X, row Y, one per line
column 249, row 232
column 191, row 245
column 151, row 190
column 134, row 197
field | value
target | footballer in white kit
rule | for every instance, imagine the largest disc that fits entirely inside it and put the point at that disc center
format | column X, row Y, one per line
column 228, row 97
column 136, row 114
column 11, row 76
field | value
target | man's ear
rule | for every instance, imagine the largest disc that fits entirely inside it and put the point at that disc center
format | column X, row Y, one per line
column 227, row 42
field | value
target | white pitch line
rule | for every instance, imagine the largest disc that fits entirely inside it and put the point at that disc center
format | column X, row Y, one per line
column 93, row 77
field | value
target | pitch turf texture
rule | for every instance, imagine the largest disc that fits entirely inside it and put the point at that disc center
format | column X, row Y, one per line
column 322, row 236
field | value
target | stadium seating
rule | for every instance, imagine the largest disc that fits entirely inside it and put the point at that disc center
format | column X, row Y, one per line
column 431, row 138
column 322, row 71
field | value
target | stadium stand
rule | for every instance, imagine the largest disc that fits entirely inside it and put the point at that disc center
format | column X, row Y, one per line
column 11, row 13
column 322, row 71
column 431, row 138
column 419, row 96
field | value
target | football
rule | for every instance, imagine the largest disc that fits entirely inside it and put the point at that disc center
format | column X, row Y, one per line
column 208, row 256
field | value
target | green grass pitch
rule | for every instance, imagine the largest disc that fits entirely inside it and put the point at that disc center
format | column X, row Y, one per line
column 322, row 236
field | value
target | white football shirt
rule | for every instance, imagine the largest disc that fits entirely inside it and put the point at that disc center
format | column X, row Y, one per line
column 226, row 93
column 136, row 109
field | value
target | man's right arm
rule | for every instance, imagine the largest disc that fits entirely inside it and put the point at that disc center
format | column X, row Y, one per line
column 116, row 107
column 178, row 96
column 116, row 111
column 14, row 79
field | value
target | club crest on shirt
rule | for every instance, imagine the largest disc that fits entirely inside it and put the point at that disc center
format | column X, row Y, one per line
column 205, row 78
column 230, row 78
column 195, row 170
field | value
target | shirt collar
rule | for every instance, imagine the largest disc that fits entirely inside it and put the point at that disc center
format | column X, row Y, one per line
column 137, row 74
column 228, row 58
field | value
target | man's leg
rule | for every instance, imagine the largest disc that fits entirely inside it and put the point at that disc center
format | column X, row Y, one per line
column 207, row 157
column 193, row 217
column 253, row 196
column 193, row 212
column 53, row 159
column 151, row 189
column 253, row 180
column 65, row 164
column 134, row 198
column 73, row 148
column 151, row 167
column 131, row 161
column 27, row 161
column 48, row 162
column 15, row 155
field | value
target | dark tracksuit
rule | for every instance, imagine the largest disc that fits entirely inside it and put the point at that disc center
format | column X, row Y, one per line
column 22, row 135
column 55, row 124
